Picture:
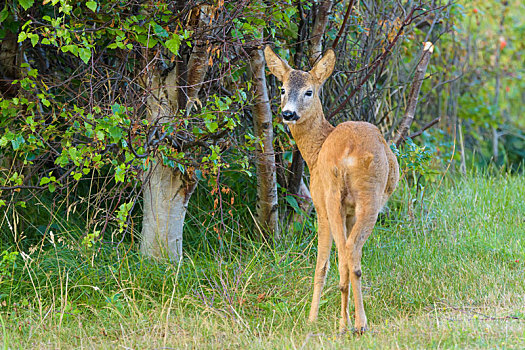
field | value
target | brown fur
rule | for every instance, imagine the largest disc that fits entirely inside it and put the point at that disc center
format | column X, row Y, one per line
column 353, row 173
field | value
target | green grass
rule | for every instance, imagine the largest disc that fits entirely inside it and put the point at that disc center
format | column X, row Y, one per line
column 449, row 275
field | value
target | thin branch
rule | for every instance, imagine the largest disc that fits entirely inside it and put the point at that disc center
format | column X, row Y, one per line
column 425, row 127
column 408, row 118
column 343, row 25
column 408, row 20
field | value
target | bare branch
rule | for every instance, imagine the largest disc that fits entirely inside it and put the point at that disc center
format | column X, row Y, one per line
column 343, row 25
column 425, row 127
column 408, row 118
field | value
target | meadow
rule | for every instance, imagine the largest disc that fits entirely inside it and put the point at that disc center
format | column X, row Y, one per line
column 448, row 274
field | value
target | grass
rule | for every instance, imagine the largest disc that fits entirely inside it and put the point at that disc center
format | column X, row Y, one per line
column 449, row 275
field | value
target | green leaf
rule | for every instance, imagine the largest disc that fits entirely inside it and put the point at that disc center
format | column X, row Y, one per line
column 120, row 173
column 151, row 43
column 161, row 32
column 71, row 48
column 84, row 54
column 26, row 3
column 92, row 5
column 173, row 44
column 3, row 14
column 211, row 125
column 17, row 142
column 52, row 187
column 115, row 133
column 44, row 181
column 34, row 39
column 22, row 36
column 198, row 173
column 73, row 153
column 293, row 203
column 77, row 176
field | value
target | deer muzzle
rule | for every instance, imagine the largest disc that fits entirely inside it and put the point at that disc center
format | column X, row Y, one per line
column 290, row 116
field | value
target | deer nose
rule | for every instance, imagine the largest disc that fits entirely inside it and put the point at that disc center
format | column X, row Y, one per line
column 289, row 115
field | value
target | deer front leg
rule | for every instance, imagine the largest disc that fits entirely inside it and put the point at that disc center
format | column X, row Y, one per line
column 364, row 223
column 324, row 244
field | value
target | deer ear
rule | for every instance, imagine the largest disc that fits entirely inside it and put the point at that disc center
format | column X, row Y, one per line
column 324, row 67
column 277, row 66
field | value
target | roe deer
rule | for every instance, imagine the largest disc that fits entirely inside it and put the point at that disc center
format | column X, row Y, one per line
column 353, row 172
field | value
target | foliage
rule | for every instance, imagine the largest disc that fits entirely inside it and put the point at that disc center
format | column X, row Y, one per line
column 79, row 112
column 481, row 80
column 7, row 266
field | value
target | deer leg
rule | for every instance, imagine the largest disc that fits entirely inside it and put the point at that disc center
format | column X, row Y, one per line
column 324, row 244
column 337, row 228
column 365, row 220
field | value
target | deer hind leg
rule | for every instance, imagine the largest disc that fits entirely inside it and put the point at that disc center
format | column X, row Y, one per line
column 337, row 227
column 324, row 244
column 365, row 219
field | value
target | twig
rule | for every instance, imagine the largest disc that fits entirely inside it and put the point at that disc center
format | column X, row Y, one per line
column 343, row 25
column 425, row 127
column 407, row 21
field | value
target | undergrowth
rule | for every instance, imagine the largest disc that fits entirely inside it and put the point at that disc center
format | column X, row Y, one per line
column 444, row 270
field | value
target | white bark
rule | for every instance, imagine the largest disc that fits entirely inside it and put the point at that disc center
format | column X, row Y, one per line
column 166, row 196
column 267, row 213
column 166, row 191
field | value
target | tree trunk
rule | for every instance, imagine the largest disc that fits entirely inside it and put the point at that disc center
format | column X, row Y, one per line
column 318, row 30
column 497, row 87
column 408, row 118
column 167, row 191
column 267, row 213
column 166, row 194
column 9, row 65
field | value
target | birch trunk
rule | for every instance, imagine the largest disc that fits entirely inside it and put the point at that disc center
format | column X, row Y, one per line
column 166, row 196
column 267, row 213
column 167, row 191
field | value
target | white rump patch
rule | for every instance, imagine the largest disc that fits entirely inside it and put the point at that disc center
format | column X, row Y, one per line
column 350, row 161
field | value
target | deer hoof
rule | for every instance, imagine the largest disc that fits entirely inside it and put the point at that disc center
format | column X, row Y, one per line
column 359, row 331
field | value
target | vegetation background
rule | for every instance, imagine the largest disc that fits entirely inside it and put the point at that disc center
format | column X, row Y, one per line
column 113, row 113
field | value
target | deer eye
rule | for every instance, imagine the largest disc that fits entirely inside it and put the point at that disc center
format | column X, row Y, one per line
column 308, row 93
column 282, row 91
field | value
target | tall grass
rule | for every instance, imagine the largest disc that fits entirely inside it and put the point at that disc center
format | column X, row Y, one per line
column 448, row 273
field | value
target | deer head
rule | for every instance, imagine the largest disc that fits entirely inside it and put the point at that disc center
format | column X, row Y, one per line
column 300, row 90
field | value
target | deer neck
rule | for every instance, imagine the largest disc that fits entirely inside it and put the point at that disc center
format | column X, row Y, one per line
column 310, row 135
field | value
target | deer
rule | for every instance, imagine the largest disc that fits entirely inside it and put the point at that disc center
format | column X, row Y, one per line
column 353, row 172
